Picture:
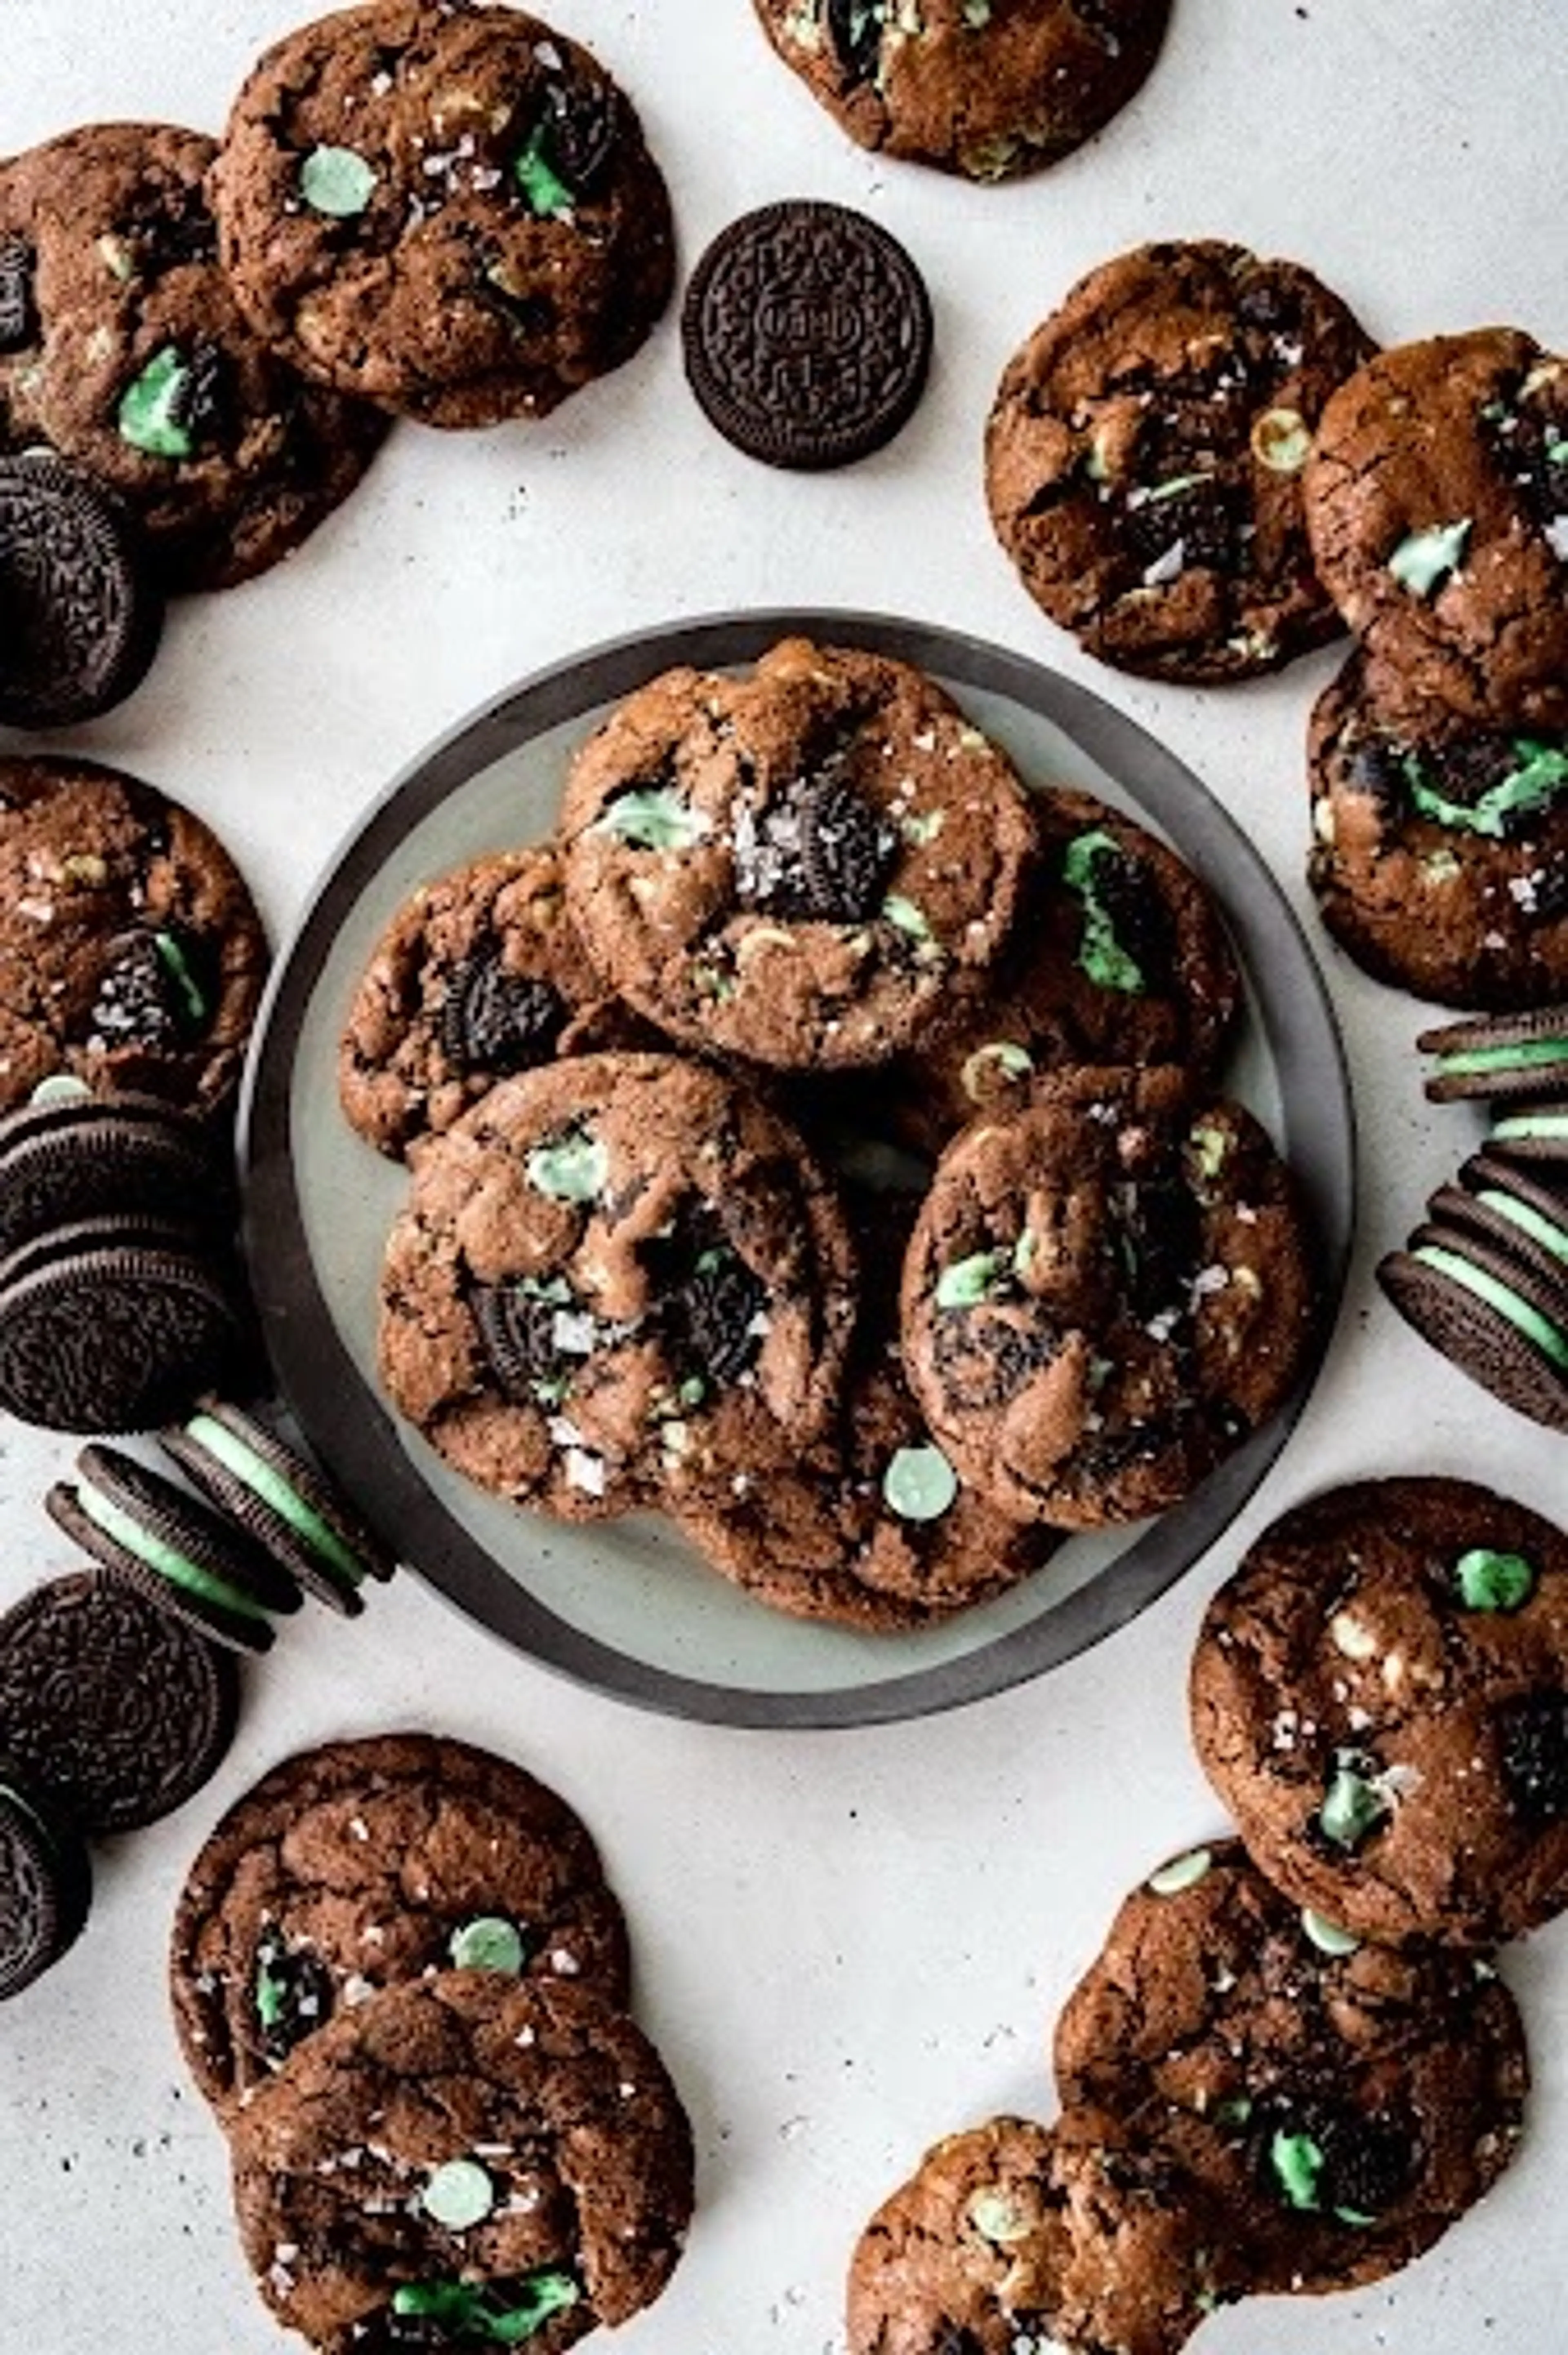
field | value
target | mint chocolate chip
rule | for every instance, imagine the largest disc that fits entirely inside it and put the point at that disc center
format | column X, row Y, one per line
column 920, row 1482
column 969, row 1281
column 544, row 190
column 498, row 2313
column 336, row 181
column 1352, row 1805
column 150, row 415
column 1424, row 560
column 1297, row 2163
column 1181, row 1872
column 653, row 818
column 1326, row 1936
column 571, row 1167
column 488, row 1942
column 458, row 2194
column 1089, row 860
column 1493, row 1582
column 1539, row 775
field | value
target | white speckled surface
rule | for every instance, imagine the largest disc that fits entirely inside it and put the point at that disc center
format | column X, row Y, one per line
column 847, row 1944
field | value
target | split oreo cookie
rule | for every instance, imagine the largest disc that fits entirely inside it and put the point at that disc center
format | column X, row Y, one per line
column 1506, row 1059
column 46, row 1882
column 806, row 331
column 1491, row 1312
column 80, row 616
column 112, row 1323
column 80, row 1156
column 117, row 1710
column 174, row 1550
column 282, row 1500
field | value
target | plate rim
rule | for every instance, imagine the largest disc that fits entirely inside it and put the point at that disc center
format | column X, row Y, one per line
column 351, row 1428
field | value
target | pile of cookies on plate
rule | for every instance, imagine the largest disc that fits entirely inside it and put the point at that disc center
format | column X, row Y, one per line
column 819, row 1138
column 1293, row 2064
column 400, row 1979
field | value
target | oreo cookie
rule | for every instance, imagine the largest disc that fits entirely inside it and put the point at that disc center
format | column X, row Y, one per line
column 1538, row 1134
column 173, row 1549
column 1506, row 1059
column 117, row 1711
column 806, row 331
column 283, row 1500
column 112, row 1323
column 1505, row 1205
column 1490, row 1311
column 80, row 616
column 46, row 1882
column 77, row 1157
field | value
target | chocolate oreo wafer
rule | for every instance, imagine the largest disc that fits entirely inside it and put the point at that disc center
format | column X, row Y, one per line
column 46, row 1882
column 113, row 1324
column 1506, row 1205
column 174, row 1550
column 80, row 614
column 117, row 1711
column 281, row 1499
column 80, row 1156
column 1491, row 1314
column 806, row 331
column 1506, row 1057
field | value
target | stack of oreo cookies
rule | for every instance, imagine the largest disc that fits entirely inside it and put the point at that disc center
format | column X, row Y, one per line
column 1294, row 2064
column 402, row 1980
column 820, row 1140
column 1485, row 1278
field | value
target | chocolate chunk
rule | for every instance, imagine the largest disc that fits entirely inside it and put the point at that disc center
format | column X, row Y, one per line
column 292, row 1993
column 855, row 28
column 18, row 314
column 807, row 335
column 80, row 613
column 153, row 992
column 716, row 1311
column 1532, row 1749
column 495, row 1020
column 517, row 1328
column 844, row 850
column 580, row 121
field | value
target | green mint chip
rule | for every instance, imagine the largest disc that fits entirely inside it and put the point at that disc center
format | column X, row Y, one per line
column 1541, row 773
column 969, row 1281
column 544, row 190
column 488, row 1942
column 653, row 818
column 1297, row 2163
column 1424, row 560
column 906, row 916
column 1326, row 1936
column 1181, row 1872
column 494, row 2313
column 270, row 1992
column 920, row 1482
column 177, row 965
column 458, row 2194
column 149, row 414
column 337, row 182
column 1353, row 1806
column 1493, row 1582
column 571, row 1167
column 977, row 14
column 1100, row 953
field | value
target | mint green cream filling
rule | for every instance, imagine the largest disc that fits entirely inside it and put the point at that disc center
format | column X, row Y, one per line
column 1543, row 1124
column 1529, row 1220
column 1548, row 1338
column 269, row 1484
column 166, row 1560
column 1529, row 1052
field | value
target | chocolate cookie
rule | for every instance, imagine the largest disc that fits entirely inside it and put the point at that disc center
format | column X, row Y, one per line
column 1012, row 2235
column 176, row 1551
column 1439, row 851
column 450, row 211
column 81, row 612
column 871, row 1526
column 122, row 348
column 986, row 88
column 1144, row 459
column 75, row 1156
column 1497, row 1312
column 116, row 1324
column 1343, row 2102
column 1104, row 1295
column 617, row 1277
column 801, row 865
column 464, row 2162
column 1118, row 955
column 281, row 1496
column 806, row 330
column 480, row 973
column 1513, row 1060
column 113, row 1708
column 1380, row 1696
column 363, row 1863
column 46, row 1882
column 1437, row 497
column 131, row 950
